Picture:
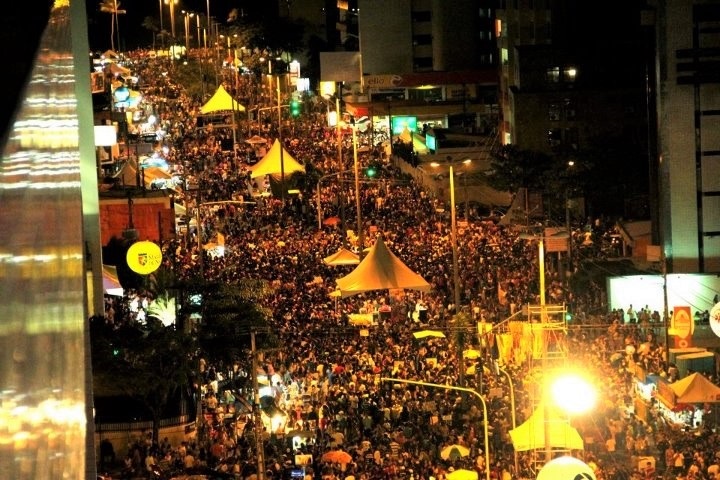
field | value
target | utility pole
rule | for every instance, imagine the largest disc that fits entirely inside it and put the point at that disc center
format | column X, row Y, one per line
column 282, row 148
column 259, row 447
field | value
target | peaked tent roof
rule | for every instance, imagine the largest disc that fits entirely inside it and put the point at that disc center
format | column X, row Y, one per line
column 342, row 257
column 128, row 174
column 531, row 434
column 381, row 270
column 695, row 388
column 116, row 69
column 221, row 101
column 271, row 163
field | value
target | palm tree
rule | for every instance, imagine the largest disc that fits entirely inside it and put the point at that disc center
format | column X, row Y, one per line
column 113, row 8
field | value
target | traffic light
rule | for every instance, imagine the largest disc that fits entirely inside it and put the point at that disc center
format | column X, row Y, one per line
column 371, row 171
column 294, row 108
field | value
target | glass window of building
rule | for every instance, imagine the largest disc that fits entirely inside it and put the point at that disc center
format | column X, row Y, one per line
column 553, row 75
column 569, row 74
column 569, row 108
column 554, row 138
column 554, row 112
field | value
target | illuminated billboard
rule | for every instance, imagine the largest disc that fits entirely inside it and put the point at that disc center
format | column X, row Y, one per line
column 399, row 124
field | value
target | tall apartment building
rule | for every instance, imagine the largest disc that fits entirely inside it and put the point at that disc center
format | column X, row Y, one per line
column 569, row 84
column 564, row 76
column 687, row 92
column 430, row 59
column 411, row 36
column 572, row 73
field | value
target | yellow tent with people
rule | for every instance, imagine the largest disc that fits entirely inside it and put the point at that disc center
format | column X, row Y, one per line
column 221, row 101
column 531, row 434
column 381, row 270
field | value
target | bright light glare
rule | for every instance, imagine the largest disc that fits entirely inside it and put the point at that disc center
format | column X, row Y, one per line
column 573, row 394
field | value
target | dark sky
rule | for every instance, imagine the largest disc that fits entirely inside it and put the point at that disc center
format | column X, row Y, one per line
column 133, row 34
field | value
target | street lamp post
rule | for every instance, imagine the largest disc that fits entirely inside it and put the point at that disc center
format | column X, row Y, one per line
column 160, row 2
column 209, row 26
column 453, row 232
column 171, row 4
column 319, row 204
column 280, row 139
column 512, row 416
column 459, row 389
column 358, row 210
column 186, row 23
column 197, row 24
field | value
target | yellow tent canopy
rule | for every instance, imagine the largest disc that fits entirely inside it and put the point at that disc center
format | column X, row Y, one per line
column 342, row 257
column 381, row 270
column 272, row 164
column 221, row 101
column 531, row 434
column 695, row 388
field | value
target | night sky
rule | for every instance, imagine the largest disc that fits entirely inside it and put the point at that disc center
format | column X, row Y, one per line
column 133, row 34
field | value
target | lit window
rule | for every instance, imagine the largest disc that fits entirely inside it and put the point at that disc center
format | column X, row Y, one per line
column 553, row 75
column 569, row 74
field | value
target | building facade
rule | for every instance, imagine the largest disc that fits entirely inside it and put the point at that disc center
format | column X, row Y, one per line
column 687, row 86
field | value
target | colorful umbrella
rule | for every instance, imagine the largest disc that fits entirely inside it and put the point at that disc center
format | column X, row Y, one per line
column 337, row 456
column 454, row 452
column 331, row 221
column 256, row 140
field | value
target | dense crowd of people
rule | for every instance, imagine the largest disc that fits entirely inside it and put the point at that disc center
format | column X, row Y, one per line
column 327, row 377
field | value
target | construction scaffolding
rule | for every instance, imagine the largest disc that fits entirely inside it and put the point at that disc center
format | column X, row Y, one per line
column 548, row 327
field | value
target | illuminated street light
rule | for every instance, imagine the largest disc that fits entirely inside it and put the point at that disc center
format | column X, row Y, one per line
column 459, row 389
column 171, row 4
column 573, row 393
column 188, row 16
column 546, row 325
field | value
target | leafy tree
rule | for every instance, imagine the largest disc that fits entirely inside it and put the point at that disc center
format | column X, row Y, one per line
column 113, row 8
column 151, row 24
column 190, row 75
column 163, row 309
column 612, row 170
column 150, row 364
column 261, row 39
column 513, row 169
column 230, row 313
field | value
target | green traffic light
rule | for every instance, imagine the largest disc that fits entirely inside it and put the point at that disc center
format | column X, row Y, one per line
column 294, row 108
column 370, row 171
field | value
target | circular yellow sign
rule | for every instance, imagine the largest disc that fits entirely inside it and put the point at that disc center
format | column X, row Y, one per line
column 144, row 257
column 683, row 323
column 715, row 319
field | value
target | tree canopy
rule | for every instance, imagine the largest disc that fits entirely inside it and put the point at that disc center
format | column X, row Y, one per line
column 149, row 363
column 230, row 313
